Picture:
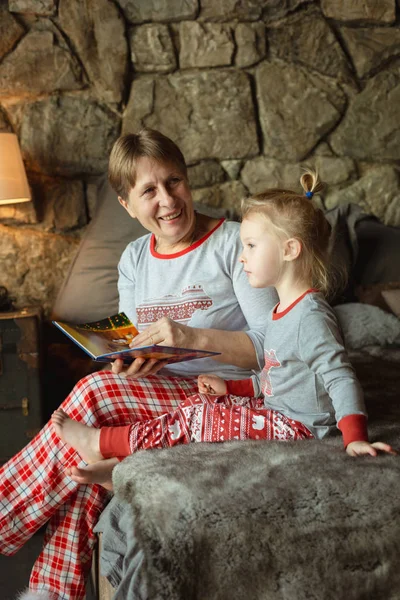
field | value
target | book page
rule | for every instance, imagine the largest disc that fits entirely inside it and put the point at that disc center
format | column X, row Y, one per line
column 108, row 339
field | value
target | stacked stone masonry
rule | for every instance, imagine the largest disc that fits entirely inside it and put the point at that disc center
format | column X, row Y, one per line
column 252, row 91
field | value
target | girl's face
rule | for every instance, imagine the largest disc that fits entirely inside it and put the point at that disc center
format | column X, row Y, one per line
column 161, row 200
column 262, row 254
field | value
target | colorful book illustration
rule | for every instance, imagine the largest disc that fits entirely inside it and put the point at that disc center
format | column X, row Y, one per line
column 109, row 338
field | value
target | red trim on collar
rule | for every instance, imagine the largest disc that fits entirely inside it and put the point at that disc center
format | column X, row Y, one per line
column 199, row 242
column 276, row 316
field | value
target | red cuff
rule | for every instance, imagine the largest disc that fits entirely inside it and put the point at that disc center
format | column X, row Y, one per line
column 240, row 387
column 354, row 429
column 114, row 442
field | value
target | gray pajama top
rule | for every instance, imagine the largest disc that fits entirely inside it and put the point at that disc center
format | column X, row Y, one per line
column 307, row 375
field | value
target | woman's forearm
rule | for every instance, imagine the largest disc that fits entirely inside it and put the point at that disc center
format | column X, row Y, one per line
column 236, row 347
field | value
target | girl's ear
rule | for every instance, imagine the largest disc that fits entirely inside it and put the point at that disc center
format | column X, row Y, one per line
column 126, row 206
column 291, row 249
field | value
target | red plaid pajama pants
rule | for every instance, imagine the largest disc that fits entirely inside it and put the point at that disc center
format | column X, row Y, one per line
column 34, row 488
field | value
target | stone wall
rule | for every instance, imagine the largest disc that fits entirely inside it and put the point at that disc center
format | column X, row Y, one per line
column 250, row 90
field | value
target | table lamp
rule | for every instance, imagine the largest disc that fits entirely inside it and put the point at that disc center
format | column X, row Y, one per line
column 13, row 182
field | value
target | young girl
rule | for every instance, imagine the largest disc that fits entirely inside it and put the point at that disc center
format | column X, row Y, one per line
column 307, row 386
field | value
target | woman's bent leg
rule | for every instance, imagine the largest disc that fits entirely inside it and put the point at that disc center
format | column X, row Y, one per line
column 36, row 488
column 65, row 560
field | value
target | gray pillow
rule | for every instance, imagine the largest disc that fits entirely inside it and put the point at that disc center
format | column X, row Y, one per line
column 366, row 325
column 89, row 291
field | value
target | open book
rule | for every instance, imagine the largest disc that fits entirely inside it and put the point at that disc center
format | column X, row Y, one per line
column 109, row 338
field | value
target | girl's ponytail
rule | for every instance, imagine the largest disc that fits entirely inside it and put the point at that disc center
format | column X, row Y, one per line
column 296, row 216
column 310, row 183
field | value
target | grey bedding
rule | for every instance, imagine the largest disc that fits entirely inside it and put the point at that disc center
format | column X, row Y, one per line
column 121, row 559
column 291, row 520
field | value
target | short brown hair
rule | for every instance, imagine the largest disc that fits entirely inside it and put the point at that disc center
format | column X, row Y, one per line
column 129, row 148
column 295, row 216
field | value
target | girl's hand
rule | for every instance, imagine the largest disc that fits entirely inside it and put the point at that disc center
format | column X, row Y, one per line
column 140, row 367
column 166, row 332
column 212, row 384
column 362, row 448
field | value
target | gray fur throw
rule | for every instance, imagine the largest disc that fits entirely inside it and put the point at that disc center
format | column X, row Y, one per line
column 272, row 520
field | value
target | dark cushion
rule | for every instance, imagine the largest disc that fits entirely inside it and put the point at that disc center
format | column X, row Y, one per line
column 344, row 246
column 378, row 259
column 369, row 252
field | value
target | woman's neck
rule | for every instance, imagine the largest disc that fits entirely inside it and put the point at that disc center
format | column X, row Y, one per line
column 202, row 225
column 165, row 247
column 288, row 291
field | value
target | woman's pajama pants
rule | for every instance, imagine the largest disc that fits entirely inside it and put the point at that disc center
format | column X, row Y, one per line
column 34, row 488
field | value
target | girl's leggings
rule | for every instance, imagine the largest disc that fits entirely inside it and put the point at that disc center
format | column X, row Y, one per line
column 203, row 418
column 34, row 488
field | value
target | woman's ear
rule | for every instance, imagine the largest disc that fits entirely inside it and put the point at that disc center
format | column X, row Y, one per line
column 291, row 249
column 126, row 206
column 123, row 202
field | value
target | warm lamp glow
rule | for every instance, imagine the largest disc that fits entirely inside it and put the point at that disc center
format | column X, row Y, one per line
column 13, row 182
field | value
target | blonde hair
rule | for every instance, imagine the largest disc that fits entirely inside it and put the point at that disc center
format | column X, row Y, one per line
column 128, row 149
column 294, row 215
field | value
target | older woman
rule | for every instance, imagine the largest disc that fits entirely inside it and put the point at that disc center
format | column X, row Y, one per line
column 183, row 286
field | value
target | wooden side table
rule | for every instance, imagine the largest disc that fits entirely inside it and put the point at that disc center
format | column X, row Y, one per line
column 20, row 379
column 103, row 589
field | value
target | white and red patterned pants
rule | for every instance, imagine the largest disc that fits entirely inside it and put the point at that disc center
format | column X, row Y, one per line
column 34, row 488
column 204, row 418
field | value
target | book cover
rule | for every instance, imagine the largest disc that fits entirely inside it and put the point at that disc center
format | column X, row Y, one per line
column 109, row 338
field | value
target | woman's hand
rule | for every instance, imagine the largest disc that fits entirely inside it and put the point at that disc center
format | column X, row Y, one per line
column 166, row 332
column 362, row 448
column 212, row 384
column 139, row 368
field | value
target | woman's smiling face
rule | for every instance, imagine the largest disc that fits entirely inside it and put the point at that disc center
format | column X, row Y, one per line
column 161, row 201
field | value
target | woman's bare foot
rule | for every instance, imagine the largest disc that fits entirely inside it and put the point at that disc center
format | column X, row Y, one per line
column 98, row 472
column 84, row 439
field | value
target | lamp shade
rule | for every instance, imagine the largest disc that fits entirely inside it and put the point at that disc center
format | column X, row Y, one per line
column 13, row 182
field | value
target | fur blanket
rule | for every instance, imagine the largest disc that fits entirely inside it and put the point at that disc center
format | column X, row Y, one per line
column 281, row 520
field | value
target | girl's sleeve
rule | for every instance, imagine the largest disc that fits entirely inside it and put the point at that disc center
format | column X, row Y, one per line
column 320, row 346
column 240, row 387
